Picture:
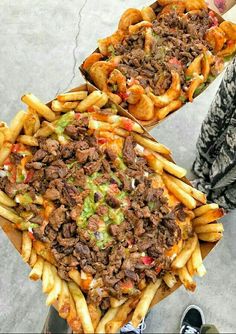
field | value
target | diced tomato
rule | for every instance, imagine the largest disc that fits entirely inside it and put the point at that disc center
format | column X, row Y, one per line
column 147, row 260
column 158, row 269
column 124, row 96
column 128, row 124
column 114, row 188
column 86, row 283
column 92, row 109
column 230, row 42
column 16, row 148
column 175, row 61
column 102, row 141
column 77, row 115
column 126, row 286
column 29, row 176
column 31, row 235
column 214, row 19
column 7, row 162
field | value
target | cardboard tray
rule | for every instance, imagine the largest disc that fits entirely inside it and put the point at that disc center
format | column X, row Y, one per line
column 87, row 77
column 15, row 236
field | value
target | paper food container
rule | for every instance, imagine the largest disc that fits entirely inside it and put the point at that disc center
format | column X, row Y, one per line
column 15, row 235
column 154, row 5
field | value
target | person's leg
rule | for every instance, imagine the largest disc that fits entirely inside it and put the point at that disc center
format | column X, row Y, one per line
column 209, row 329
column 192, row 320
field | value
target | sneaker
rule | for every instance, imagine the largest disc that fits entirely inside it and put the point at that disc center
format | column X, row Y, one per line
column 129, row 329
column 192, row 320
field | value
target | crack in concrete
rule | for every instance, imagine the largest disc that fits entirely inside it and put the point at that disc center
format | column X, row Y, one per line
column 75, row 48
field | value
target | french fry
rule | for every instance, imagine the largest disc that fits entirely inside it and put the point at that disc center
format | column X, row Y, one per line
column 89, row 101
column 208, row 217
column 6, row 200
column 198, row 195
column 16, row 125
column 37, row 271
column 196, row 82
column 74, row 274
column 95, row 314
column 44, row 251
column 144, row 303
column 118, row 321
column 144, row 109
column 56, row 290
column 31, row 122
column 48, row 277
column 154, row 163
column 190, row 267
column 9, row 215
column 109, row 315
column 197, row 257
column 27, row 140
column 4, row 152
column 186, row 279
column 26, row 246
column 102, row 101
column 64, row 301
column 204, row 209
column 121, row 132
column 130, row 16
column 116, row 302
column 6, row 132
column 33, row 258
column 208, row 228
column 148, row 14
column 205, row 66
column 171, row 168
column 201, row 271
column 81, row 308
column 43, row 110
column 93, row 58
column 73, row 96
column 150, row 144
column 73, row 318
column 180, row 194
column 183, row 257
column 57, row 106
column 2, row 138
column 135, row 28
column 67, row 106
column 169, row 279
column 195, row 67
column 46, row 130
column 210, row 237
column 164, row 111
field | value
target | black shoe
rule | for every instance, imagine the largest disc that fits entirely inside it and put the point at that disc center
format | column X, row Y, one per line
column 192, row 320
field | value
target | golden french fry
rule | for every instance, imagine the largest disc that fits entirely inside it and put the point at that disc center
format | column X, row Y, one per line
column 57, row 106
column 81, row 308
column 171, row 167
column 4, row 152
column 210, row 237
column 56, row 290
column 129, row 17
column 72, row 96
column 121, row 132
column 197, row 257
column 215, row 36
column 150, row 144
column 6, row 200
column 195, row 68
column 70, row 105
column 27, row 140
column 99, row 72
column 9, row 215
column 204, row 209
column 43, row 110
column 135, row 93
column 208, row 217
column 135, row 28
column 74, row 274
column 201, row 271
column 195, row 83
column 89, row 101
column 180, row 194
column 144, row 109
column 154, row 163
column 198, row 195
column 170, row 95
column 208, row 228
column 118, row 321
column 186, row 279
column 109, row 315
column 2, row 139
column 190, row 267
column 95, row 314
column 228, row 51
column 33, row 258
column 172, row 106
column 26, row 246
column 48, row 277
column 46, row 130
column 93, row 58
column 169, row 279
column 102, row 101
column 117, row 78
column 183, row 257
column 144, row 303
column 229, row 29
column 73, row 318
column 44, row 251
column 37, row 271
column 6, row 132
column 148, row 14
column 116, row 302
column 31, row 122
column 16, row 125
column 64, row 301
